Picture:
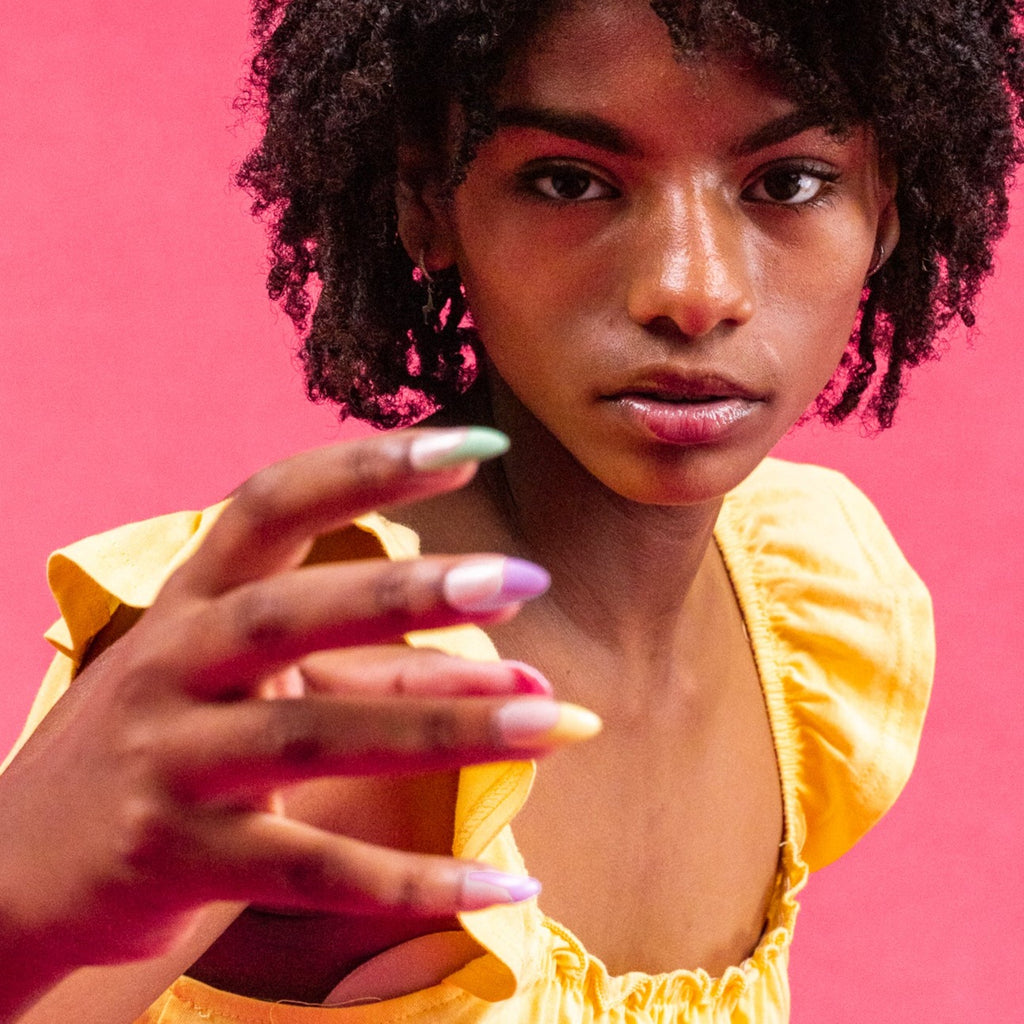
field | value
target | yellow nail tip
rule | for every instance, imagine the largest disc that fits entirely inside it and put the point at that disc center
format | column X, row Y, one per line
column 537, row 721
column 574, row 723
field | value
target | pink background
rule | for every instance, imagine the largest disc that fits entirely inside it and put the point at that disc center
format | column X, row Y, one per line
column 144, row 371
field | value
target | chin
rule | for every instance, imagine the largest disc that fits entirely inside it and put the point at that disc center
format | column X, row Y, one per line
column 695, row 477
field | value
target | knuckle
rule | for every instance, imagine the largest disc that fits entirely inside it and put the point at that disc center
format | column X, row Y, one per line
column 138, row 747
column 399, row 592
column 261, row 498
column 146, row 825
column 142, row 664
column 308, row 878
column 412, row 895
column 369, row 465
column 439, row 729
column 290, row 736
column 406, row 682
column 262, row 622
column 146, row 836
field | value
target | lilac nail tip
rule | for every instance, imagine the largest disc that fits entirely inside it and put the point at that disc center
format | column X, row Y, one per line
column 523, row 889
column 524, row 579
column 516, row 888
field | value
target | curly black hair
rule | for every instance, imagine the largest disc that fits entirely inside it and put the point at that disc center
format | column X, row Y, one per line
column 338, row 82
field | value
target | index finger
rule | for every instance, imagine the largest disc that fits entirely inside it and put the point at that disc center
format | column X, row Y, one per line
column 275, row 516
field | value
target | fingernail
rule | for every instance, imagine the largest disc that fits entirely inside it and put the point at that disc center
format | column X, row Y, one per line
column 443, row 448
column 526, row 722
column 529, row 680
column 486, row 888
column 487, row 584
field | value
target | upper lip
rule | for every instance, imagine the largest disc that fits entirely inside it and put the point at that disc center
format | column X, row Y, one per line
column 670, row 385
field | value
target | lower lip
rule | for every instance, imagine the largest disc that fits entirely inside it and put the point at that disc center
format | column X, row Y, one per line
column 687, row 422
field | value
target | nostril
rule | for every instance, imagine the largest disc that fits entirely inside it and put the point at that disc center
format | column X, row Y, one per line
column 665, row 327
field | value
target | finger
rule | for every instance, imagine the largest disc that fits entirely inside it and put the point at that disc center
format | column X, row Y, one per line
column 263, row 626
column 397, row 670
column 276, row 861
column 275, row 515
column 243, row 750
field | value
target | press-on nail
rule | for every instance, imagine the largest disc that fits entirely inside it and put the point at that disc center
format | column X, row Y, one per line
column 528, row 722
column 488, row 584
column 486, row 888
column 529, row 680
column 443, row 448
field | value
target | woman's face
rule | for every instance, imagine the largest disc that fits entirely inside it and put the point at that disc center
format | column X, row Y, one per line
column 663, row 260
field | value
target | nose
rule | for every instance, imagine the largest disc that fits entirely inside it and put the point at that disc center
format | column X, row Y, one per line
column 689, row 270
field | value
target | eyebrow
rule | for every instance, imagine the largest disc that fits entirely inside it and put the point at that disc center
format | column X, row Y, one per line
column 778, row 130
column 595, row 131
column 585, row 128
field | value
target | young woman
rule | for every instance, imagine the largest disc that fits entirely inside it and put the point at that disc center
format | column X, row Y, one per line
column 634, row 238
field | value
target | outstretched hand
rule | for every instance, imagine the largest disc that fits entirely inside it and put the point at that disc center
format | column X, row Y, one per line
column 150, row 789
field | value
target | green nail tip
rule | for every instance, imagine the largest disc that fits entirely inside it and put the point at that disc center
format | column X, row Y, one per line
column 481, row 443
column 448, row 448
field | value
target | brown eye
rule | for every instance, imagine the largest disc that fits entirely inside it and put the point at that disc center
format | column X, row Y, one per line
column 570, row 184
column 785, row 186
column 789, row 186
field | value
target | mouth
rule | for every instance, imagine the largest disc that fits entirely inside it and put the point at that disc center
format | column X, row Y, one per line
column 686, row 389
column 680, row 409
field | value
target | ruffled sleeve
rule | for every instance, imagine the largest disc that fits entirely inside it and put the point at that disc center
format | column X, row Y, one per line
column 91, row 578
column 842, row 630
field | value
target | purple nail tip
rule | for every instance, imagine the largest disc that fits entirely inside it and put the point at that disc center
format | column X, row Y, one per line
column 524, row 579
column 518, row 887
column 523, row 889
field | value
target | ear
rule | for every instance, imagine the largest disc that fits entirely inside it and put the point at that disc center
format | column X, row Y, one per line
column 424, row 212
column 887, row 233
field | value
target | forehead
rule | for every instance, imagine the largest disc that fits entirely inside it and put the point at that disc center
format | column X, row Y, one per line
column 616, row 58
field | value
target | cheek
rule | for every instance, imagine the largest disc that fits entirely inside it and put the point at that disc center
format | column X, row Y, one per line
column 527, row 298
column 803, row 338
column 818, row 296
column 509, row 245
column 488, row 265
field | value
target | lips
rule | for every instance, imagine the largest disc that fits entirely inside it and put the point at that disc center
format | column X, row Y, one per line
column 685, row 409
column 672, row 386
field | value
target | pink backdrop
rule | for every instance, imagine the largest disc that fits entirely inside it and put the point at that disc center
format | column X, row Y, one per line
column 144, row 372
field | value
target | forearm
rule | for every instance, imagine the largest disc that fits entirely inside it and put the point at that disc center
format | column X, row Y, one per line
column 120, row 993
column 28, row 969
column 99, row 995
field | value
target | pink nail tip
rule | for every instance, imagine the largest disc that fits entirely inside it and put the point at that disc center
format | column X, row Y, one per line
column 529, row 680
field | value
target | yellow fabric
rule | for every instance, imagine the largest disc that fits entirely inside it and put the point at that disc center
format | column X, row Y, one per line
column 841, row 630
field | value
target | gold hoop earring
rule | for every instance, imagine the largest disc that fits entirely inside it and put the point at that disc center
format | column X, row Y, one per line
column 877, row 259
column 430, row 307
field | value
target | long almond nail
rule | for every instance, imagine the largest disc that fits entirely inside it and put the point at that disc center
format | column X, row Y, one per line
column 487, row 888
column 529, row 680
column 488, row 584
column 444, row 448
column 538, row 721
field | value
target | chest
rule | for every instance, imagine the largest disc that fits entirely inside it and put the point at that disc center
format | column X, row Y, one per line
column 658, row 842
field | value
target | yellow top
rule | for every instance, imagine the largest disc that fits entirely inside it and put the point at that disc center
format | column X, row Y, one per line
column 841, row 630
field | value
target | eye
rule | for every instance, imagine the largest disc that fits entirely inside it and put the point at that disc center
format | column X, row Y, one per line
column 567, row 184
column 791, row 186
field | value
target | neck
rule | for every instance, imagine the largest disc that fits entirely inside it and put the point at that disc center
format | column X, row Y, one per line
column 622, row 571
